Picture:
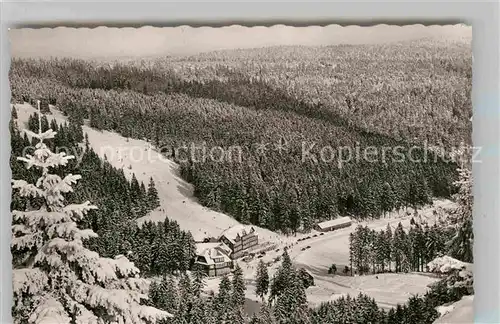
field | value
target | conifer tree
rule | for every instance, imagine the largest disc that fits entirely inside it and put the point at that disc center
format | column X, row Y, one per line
column 372, row 249
column 143, row 191
column 282, row 278
column 171, row 294
column 198, row 312
column 198, row 282
column 351, row 250
column 61, row 281
column 461, row 245
column 44, row 106
column 262, row 280
column 391, row 315
column 291, row 304
column 45, row 123
column 359, row 251
column 419, row 248
column 185, row 298
column 388, row 246
column 380, row 248
column 164, row 295
column 135, row 187
column 387, row 200
column 265, row 315
column 87, row 142
column 13, row 113
column 399, row 246
column 154, row 200
column 238, row 296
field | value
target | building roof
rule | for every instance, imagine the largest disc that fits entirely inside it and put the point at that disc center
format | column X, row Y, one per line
column 307, row 271
column 335, row 222
column 202, row 247
column 240, row 229
column 210, row 251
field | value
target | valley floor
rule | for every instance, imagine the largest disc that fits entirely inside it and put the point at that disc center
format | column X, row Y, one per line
column 333, row 247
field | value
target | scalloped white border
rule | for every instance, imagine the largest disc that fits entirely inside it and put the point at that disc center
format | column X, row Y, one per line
column 185, row 40
column 485, row 92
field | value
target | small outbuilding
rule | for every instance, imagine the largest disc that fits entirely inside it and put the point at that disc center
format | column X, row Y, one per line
column 334, row 224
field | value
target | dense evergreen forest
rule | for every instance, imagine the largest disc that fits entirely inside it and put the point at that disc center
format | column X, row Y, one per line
column 270, row 123
column 268, row 102
column 397, row 250
column 155, row 248
column 182, row 295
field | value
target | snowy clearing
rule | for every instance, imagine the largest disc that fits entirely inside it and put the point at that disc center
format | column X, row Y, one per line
column 389, row 289
column 177, row 203
column 333, row 247
column 176, row 195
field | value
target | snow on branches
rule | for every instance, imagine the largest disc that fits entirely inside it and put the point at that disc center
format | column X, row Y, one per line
column 49, row 311
column 461, row 245
column 60, row 280
column 29, row 281
column 458, row 274
column 447, row 264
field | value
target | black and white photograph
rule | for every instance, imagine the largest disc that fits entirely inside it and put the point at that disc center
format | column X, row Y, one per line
column 242, row 175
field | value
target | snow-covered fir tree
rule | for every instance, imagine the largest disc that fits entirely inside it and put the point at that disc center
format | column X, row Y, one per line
column 262, row 280
column 198, row 282
column 13, row 113
column 458, row 268
column 282, row 277
column 185, row 298
column 152, row 193
column 164, row 295
column 460, row 246
column 287, row 294
column 59, row 280
column 264, row 316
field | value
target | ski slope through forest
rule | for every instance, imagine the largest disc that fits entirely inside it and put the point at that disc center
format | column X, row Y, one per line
column 140, row 158
column 178, row 203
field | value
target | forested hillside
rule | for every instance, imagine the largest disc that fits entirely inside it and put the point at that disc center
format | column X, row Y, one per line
column 264, row 104
column 154, row 248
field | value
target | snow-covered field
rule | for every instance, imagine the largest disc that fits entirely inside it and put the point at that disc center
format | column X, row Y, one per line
column 178, row 203
column 333, row 247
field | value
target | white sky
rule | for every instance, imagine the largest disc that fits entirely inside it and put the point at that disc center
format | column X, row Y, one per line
column 104, row 42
